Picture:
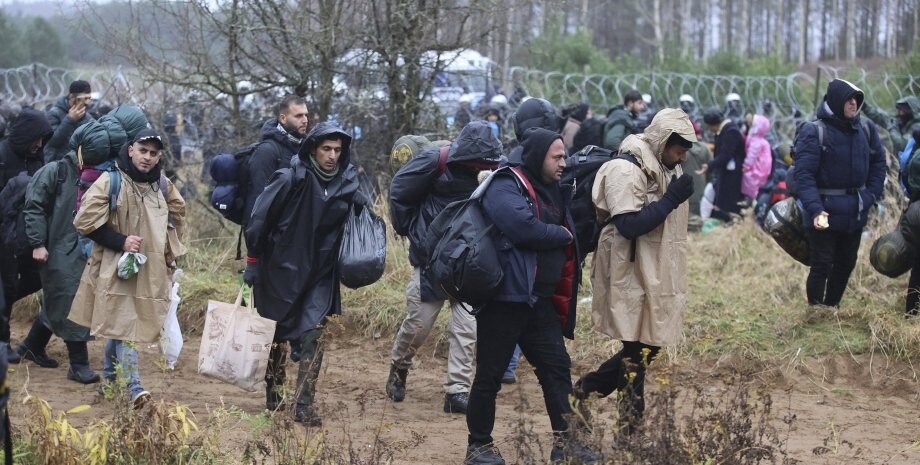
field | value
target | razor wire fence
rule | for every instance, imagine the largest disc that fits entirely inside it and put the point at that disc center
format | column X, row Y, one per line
column 783, row 98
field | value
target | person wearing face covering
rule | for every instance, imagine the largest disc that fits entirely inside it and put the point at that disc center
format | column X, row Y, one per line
column 837, row 184
column 149, row 219
column 640, row 266
column 535, row 303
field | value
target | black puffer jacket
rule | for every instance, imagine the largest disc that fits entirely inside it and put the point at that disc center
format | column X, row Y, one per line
column 295, row 232
column 273, row 153
column 15, row 157
column 420, row 189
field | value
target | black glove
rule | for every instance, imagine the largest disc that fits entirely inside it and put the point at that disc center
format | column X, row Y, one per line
column 680, row 189
column 251, row 275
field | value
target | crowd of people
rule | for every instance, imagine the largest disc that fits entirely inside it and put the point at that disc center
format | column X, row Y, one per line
column 91, row 220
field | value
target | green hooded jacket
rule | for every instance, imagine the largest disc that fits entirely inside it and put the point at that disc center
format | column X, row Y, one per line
column 898, row 132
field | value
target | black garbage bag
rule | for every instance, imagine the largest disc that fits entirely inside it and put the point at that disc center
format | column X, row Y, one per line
column 891, row 254
column 784, row 224
column 363, row 254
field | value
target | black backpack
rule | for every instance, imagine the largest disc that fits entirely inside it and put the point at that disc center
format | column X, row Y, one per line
column 230, row 172
column 12, row 222
column 590, row 133
column 461, row 246
column 580, row 170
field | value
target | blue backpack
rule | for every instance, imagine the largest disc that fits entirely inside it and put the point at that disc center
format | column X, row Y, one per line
column 230, row 172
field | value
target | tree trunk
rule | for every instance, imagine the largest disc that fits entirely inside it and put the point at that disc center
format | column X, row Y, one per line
column 850, row 31
column 803, row 33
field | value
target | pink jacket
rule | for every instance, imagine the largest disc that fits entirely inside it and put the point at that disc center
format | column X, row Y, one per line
column 758, row 160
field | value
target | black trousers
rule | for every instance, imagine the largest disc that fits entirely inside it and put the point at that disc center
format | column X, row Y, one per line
column 499, row 327
column 20, row 278
column 624, row 372
column 913, row 288
column 833, row 257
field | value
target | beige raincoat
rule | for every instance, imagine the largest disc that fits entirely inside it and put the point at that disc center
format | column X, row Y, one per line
column 643, row 300
column 129, row 309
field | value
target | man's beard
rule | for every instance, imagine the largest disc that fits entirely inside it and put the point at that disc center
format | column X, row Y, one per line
column 292, row 130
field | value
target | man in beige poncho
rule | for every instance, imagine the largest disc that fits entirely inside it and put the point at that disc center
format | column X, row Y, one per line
column 640, row 266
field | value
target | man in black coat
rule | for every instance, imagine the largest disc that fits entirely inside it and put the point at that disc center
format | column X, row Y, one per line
column 726, row 165
column 294, row 235
column 280, row 139
column 65, row 116
column 419, row 191
column 21, row 152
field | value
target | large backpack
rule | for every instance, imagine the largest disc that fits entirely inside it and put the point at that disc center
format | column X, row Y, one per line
column 12, row 223
column 461, row 246
column 590, row 133
column 402, row 223
column 580, row 171
column 230, row 172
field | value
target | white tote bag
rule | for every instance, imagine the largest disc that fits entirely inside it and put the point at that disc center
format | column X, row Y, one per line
column 235, row 344
column 171, row 333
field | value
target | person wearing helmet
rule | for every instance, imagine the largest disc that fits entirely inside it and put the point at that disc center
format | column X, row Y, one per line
column 734, row 110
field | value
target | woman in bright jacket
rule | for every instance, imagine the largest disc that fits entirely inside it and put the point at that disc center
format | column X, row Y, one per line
column 758, row 161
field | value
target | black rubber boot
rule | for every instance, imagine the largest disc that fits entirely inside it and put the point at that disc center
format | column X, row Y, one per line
column 79, row 370
column 33, row 347
column 307, row 414
column 274, row 377
column 396, row 383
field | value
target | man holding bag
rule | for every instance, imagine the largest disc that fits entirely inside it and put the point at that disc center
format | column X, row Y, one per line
column 294, row 235
column 148, row 220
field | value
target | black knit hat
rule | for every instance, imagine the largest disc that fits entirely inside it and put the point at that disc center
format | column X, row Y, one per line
column 713, row 116
column 80, row 87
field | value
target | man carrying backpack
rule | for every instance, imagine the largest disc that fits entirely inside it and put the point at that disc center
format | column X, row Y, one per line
column 124, row 307
column 640, row 266
column 294, row 236
column 837, row 180
column 535, row 303
column 903, row 125
column 280, row 139
column 623, row 120
column 65, row 116
column 20, row 157
column 48, row 213
column 419, row 191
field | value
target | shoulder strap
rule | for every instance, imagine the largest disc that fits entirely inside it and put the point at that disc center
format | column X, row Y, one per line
column 522, row 179
column 442, row 158
column 628, row 157
column 114, row 188
column 163, row 187
column 819, row 126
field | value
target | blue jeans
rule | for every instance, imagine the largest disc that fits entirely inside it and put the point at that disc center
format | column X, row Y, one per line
column 118, row 352
column 512, row 366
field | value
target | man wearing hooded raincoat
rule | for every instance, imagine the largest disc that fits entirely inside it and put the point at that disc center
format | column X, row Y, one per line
column 420, row 190
column 21, row 155
column 640, row 266
column 149, row 219
column 294, row 235
column 49, row 210
column 902, row 127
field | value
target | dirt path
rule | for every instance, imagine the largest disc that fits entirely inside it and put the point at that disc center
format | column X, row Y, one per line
column 873, row 420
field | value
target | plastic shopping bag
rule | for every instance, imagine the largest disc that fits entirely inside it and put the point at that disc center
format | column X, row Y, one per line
column 362, row 256
column 171, row 333
column 130, row 263
column 235, row 344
